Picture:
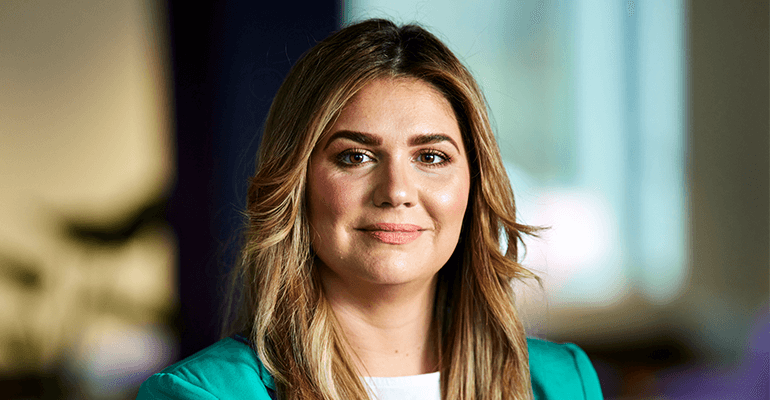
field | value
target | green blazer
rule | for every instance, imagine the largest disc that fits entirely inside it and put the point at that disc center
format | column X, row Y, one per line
column 229, row 369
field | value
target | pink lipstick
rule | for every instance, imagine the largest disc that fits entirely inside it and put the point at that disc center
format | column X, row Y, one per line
column 393, row 233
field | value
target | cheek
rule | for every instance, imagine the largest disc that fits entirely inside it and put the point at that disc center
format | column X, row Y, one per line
column 328, row 199
column 455, row 202
column 452, row 200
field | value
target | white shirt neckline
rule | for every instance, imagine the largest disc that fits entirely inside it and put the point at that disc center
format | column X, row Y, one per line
column 412, row 387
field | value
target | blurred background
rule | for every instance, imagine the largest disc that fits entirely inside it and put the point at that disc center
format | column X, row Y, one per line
column 638, row 131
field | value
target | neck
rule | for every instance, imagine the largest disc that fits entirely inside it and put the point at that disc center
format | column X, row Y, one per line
column 389, row 329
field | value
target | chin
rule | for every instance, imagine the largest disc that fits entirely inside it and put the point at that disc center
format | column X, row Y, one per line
column 394, row 275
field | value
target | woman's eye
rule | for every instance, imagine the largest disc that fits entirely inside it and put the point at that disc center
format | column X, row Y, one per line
column 353, row 158
column 432, row 158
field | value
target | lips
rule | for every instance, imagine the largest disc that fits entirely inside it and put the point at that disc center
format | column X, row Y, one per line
column 393, row 233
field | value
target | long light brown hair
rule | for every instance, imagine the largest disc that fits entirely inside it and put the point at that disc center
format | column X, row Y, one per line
column 279, row 301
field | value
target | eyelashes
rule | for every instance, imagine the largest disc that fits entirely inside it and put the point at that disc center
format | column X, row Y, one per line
column 431, row 158
column 354, row 157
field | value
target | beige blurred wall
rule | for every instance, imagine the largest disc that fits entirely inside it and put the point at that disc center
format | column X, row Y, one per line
column 84, row 104
column 85, row 139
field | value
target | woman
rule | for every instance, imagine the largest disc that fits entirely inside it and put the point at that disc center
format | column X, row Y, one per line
column 372, row 263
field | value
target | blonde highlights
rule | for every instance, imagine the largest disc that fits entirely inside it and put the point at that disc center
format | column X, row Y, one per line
column 280, row 302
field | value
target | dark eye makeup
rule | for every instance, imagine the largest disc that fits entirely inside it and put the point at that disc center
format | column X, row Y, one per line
column 355, row 157
column 433, row 158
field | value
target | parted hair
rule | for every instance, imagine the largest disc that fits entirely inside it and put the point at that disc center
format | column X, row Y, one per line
column 277, row 297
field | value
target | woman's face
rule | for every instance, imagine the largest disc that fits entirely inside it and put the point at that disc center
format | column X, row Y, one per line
column 388, row 185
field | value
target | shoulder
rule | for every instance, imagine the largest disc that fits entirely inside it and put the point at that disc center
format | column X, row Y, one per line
column 228, row 369
column 560, row 371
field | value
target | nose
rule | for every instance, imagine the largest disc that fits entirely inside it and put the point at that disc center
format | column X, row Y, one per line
column 395, row 185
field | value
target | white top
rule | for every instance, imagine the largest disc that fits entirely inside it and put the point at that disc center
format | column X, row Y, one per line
column 414, row 387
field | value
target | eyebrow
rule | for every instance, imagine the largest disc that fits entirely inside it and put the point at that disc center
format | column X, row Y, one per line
column 369, row 139
column 432, row 138
column 358, row 137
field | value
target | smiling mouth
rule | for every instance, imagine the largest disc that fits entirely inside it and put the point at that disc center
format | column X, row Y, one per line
column 393, row 233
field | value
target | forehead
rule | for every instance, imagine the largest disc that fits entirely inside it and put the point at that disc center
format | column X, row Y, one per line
column 404, row 105
column 395, row 89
